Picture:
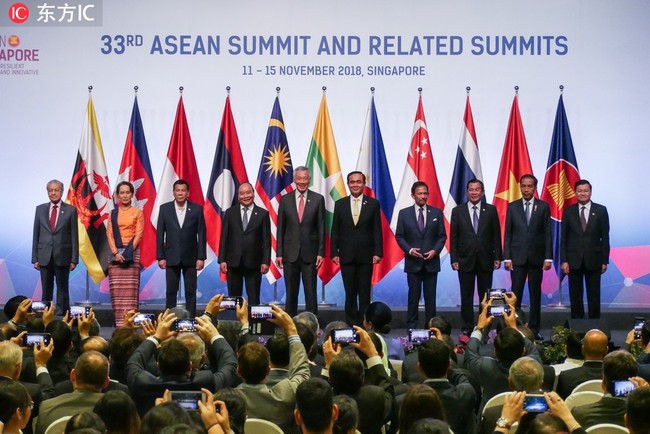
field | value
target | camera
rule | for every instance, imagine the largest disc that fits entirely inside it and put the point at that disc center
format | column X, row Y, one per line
column 345, row 336
column 498, row 310
column 184, row 326
column 261, row 312
column 142, row 317
column 417, row 336
column 231, row 303
column 31, row 339
column 189, row 400
column 535, row 404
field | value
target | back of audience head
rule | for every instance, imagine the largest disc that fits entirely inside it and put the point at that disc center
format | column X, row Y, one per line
column 61, row 336
column 230, row 331
column 309, row 319
column 179, row 428
column 541, row 423
column 180, row 312
column 86, row 420
column 278, row 347
column 113, row 403
column 526, row 375
column 35, row 325
column 638, row 407
column 174, row 358
column 645, row 334
column 163, row 415
column 196, row 347
column 308, row 339
column 346, row 373
column 11, row 306
column 334, row 325
column 11, row 358
column 376, row 341
column 429, row 426
column 595, row 345
column 433, row 358
column 508, row 346
column 96, row 343
column 420, row 401
column 315, row 410
column 441, row 323
column 348, row 415
column 90, row 371
column 574, row 345
column 236, row 405
column 253, row 362
column 378, row 317
column 123, row 344
column 15, row 405
column 618, row 366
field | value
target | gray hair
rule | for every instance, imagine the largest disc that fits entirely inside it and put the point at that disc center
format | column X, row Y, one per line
column 195, row 344
column 10, row 356
column 54, row 181
column 309, row 319
column 526, row 374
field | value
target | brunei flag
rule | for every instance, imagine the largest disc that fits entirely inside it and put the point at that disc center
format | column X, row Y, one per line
column 326, row 179
column 90, row 193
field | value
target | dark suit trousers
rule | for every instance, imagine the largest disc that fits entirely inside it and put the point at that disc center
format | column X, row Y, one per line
column 466, row 279
column 592, row 282
column 518, row 276
column 253, row 278
column 173, row 277
column 418, row 282
column 292, row 272
column 62, row 274
column 357, row 282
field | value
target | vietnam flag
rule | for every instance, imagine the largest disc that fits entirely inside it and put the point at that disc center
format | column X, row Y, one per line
column 515, row 162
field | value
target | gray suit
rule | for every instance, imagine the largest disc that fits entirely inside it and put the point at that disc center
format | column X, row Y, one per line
column 68, row 404
column 55, row 250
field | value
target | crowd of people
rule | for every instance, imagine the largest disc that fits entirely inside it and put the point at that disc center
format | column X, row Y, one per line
column 219, row 377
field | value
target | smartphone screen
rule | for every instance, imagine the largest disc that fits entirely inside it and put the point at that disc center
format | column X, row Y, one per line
column 142, row 317
column 31, row 339
column 189, row 400
column 417, row 336
column 184, row 325
column 77, row 311
column 40, row 306
column 345, row 336
column 535, row 404
column 622, row 388
column 497, row 293
column 638, row 325
column 231, row 303
column 498, row 310
column 261, row 312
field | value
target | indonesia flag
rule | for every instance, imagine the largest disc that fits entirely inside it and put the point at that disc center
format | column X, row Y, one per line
column 419, row 167
column 136, row 169
column 372, row 163
column 466, row 167
column 228, row 173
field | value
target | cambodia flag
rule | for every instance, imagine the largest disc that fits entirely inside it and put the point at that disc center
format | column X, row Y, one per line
column 561, row 175
column 372, row 163
column 228, row 173
column 136, row 169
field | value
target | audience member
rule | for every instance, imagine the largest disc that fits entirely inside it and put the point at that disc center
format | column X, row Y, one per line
column 118, row 403
column 278, row 347
column 420, row 402
column 123, row 344
column 377, row 318
column 315, row 411
column 637, row 410
column 348, row 419
column 15, row 406
column 574, row 357
column 86, row 420
column 237, row 409
column 594, row 348
column 160, row 416
column 196, row 347
column 429, row 426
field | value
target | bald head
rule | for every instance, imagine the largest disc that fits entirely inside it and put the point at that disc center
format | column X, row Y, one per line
column 594, row 346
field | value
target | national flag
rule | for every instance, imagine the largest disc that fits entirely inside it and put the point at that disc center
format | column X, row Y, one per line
column 228, row 173
column 561, row 175
column 515, row 162
column 419, row 167
column 467, row 166
column 274, row 178
column 90, row 193
column 372, row 163
column 136, row 169
column 326, row 179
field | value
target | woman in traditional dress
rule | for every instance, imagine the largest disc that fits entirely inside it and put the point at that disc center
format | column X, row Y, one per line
column 125, row 228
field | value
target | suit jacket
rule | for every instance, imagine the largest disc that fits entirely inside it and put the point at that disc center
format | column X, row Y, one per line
column 180, row 246
column 409, row 236
column 569, row 379
column 590, row 246
column 356, row 243
column 471, row 249
column 146, row 387
column 62, row 245
column 249, row 248
column 68, row 404
column 375, row 400
column 528, row 242
column 607, row 410
column 66, row 387
column 454, row 398
column 301, row 239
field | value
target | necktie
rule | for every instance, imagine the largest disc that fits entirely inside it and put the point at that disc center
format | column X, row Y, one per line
column 53, row 217
column 475, row 219
column 355, row 211
column 244, row 220
column 527, row 211
column 301, row 207
column 583, row 220
column 420, row 220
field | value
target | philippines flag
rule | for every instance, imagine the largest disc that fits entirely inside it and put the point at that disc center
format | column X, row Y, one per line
column 136, row 169
column 274, row 178
column 372, row 163
column 228, row 173
column 419, row 167
column 467, row 165
column 561, row 175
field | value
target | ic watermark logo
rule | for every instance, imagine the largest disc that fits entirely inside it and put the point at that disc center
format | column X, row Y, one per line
column 18, row 13
column 54, row 13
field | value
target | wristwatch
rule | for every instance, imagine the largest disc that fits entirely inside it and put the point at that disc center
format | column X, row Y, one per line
column 502, row 422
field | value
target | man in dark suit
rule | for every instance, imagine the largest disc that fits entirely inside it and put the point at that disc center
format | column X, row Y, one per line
column 301, row 241
column 356, row 245
column 421, row 235
column 584, row 250
column 594, row 349
column 180, row 244
column 475, row 248
column 55, row 245
column 528, row 246
column 245, row 247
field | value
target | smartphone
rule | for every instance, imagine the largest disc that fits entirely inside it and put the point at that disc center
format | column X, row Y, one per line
column 535, row 404
column 345, row 336
column 638, row 325
column 497, row 293
column 142, row 317
column 622, row 388
column 31, row 339
column 231, row 303
column 498, row 310
column 417, row 336
column 189, row 399
column 40, row 306
column 77, row 311
column 261, row 312
column 184, row 326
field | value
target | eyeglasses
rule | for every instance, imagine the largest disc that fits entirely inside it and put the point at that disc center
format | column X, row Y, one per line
column 30, row 405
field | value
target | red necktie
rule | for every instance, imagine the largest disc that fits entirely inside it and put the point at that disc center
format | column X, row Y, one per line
column 301, row 207
column 53, row 217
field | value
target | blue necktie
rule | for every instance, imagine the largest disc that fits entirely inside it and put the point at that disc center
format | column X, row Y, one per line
column 475, row 219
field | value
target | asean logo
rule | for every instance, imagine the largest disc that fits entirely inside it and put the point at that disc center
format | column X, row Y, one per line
column 13, row 41
column 18, row 13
